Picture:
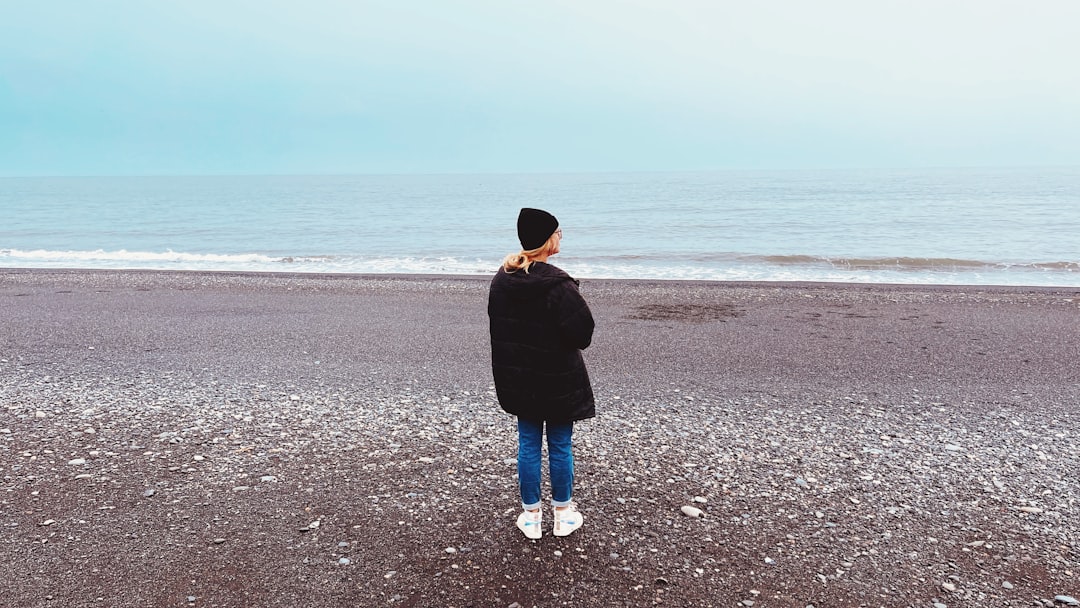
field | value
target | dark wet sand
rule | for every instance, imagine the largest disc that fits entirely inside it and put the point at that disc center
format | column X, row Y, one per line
column 135, row 356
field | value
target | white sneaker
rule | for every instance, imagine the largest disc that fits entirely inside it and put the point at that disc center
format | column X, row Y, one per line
column 529, row 523
column 567, row 520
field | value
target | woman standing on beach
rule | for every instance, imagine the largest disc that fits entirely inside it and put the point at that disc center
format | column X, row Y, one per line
column 539, row 324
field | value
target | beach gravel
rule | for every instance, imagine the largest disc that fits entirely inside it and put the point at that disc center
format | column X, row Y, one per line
column 226, row 439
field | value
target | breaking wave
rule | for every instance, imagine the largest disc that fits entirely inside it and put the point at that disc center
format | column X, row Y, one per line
column 704, row 267
column 912, row 264
column 137, row 258
column 258, row 262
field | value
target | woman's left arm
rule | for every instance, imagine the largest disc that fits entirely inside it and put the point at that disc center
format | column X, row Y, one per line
column 575, row 320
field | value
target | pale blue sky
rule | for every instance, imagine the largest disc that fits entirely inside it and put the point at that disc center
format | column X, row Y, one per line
column 120, row 87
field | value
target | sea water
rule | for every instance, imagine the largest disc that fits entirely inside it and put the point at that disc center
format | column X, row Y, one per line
column 933, row 226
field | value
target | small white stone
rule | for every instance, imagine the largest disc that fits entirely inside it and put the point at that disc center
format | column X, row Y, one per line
column 77, row 461
column 692, row 511
column 268, row 479
column 948, row 587
column 294, row 397
column 451, row 550
column 558, row 553
column 701, row 499
column 313, row 525
column 1031, row 509
column 48, row 522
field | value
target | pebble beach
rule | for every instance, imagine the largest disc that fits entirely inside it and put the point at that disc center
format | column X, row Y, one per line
column 256, row 439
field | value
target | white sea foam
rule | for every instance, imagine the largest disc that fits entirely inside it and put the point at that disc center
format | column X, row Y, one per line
column 137, row 259
column 259, row 262
column 734, row 268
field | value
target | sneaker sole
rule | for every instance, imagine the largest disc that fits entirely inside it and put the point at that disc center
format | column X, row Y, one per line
column 530, row 536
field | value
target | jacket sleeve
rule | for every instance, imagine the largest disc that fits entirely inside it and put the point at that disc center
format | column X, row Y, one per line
column 575, row 320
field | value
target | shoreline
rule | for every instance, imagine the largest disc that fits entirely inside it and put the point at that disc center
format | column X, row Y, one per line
column 167, row 435
column 1051, row 289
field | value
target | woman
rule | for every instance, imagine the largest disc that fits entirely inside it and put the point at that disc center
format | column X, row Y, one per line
column 539, row 324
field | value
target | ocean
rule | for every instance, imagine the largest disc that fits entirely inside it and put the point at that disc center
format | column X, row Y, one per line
column 1016, row 226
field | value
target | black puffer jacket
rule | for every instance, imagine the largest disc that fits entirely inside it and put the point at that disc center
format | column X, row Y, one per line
column 539, row 324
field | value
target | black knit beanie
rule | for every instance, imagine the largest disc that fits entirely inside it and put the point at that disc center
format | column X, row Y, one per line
column 535, row 227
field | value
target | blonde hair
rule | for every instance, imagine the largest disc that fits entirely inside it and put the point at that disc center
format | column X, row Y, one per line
column 523, row 259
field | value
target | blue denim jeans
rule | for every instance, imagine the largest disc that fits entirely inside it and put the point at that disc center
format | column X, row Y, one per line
column 560, row 462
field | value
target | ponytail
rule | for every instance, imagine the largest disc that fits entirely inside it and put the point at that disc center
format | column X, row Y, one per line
column 517, row 261
column 523, row 259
